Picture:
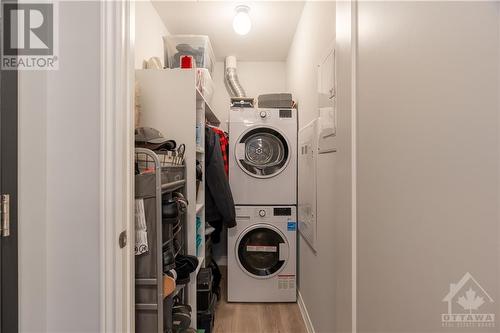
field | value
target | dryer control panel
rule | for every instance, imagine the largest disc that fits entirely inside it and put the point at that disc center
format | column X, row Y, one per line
column 262, row 115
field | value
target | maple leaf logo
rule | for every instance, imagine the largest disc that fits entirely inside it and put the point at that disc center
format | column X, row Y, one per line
column 470, row 301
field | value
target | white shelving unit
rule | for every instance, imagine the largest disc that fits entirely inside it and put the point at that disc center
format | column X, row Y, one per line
column 171, row 103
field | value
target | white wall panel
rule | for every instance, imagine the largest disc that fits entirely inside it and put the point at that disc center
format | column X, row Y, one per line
column 428, row 160
column 73, row 181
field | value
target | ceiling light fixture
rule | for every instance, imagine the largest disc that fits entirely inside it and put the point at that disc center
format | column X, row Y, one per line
column 242, row 23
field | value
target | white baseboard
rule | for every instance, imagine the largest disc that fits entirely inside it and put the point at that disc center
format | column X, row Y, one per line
column 221, row 261
column 305, row 314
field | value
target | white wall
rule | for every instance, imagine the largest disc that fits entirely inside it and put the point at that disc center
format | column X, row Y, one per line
column 255, row 77
column 317, row 280
column 428, row 160
column 149, row 30
column 59, row 181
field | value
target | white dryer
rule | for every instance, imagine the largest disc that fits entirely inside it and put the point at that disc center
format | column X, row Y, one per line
column 263, row 156
column 262, row 255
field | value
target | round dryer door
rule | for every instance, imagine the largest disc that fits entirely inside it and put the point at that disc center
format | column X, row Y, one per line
column 262, row 152
column 262, row 251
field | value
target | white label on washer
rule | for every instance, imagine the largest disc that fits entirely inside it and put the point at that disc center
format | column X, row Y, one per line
column 261, row 248
column 286, row 281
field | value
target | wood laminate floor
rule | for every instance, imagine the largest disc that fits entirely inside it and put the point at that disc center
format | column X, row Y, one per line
column 256, row 317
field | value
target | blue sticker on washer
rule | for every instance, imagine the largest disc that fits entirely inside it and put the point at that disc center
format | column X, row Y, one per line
column 292, row 225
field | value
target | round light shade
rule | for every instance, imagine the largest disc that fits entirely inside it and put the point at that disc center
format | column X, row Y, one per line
column 241, row 22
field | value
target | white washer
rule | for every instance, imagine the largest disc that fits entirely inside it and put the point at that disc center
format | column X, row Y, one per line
column 262, row 255
column 263, row 156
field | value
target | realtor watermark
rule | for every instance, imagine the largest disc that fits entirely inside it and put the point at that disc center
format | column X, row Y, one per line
column 30, row 36
column 467, row 300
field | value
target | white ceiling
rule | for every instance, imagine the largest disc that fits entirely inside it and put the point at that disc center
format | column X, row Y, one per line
column 273, row 26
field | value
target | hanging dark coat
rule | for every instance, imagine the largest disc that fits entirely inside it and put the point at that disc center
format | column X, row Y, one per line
column 219, row 203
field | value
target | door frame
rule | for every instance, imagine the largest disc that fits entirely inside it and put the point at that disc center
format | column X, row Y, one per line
column 116, row 165
column 346, row 61
column 9, row 245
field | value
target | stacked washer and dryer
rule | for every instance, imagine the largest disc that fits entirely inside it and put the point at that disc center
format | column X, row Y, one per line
column 263, row 179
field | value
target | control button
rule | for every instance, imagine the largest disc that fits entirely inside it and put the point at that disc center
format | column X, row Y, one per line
column 263, row 114
column 262, row 213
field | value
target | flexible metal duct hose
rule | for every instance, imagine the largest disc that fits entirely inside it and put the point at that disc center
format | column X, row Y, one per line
column 232, row 83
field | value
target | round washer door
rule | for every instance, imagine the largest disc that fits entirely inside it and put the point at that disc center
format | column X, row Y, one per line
column 262, row 152
column 262, row 251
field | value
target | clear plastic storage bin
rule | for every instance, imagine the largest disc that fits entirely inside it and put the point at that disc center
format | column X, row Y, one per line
column 197, row 46
column 205, row 84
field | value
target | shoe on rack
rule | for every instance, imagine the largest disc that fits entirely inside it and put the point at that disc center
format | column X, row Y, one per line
column 181, row 322
column 170, row 211
column 168, row 260
column 184, row 308
column 184, row 266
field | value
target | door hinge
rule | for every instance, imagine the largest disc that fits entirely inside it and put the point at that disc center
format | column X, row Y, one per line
column 332, row 93
column 122, row 239
column 5, row 208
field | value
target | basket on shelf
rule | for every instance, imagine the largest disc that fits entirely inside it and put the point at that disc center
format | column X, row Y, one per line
column 171, row 170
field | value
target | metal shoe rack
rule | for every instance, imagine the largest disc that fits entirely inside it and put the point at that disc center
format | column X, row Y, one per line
column 158, row 180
